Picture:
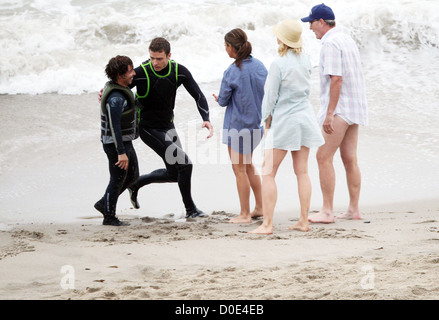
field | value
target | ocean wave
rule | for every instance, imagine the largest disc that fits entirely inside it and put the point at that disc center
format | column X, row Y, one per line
column 63, row 46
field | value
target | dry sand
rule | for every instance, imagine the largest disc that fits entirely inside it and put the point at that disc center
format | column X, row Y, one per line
column 53, row 244
column 387, row 255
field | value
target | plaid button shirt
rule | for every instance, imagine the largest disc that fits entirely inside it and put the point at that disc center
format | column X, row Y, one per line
column 340, row 57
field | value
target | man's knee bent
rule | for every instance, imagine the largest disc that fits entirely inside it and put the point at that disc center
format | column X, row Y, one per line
column 184, row 167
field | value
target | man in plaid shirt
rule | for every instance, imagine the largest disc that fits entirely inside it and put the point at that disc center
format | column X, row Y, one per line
column 343, row 109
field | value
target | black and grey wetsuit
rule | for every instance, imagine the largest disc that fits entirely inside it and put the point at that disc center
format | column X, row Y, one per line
column 156, row 92
column 118, row 130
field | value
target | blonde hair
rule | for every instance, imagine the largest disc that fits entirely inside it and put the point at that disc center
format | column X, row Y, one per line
column 283, row 49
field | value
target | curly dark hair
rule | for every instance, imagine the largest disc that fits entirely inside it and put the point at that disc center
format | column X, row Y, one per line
column 117, row 66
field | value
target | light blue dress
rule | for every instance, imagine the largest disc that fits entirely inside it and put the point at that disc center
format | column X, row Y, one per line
column 294, row 123
column 242, row 91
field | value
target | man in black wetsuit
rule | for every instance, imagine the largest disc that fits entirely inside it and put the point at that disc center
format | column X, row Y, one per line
column 157, row 81
column 118, row 130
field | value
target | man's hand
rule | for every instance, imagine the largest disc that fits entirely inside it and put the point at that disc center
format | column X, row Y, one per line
column 123, row 161
column 334, row 96
column 328, row 124
column 100, row 95
column 208, row 125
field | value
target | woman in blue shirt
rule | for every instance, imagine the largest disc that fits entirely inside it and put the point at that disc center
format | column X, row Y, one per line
column 290, row 122
column 242, row 91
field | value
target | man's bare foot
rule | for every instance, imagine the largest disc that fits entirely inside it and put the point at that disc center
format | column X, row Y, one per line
column 262, row 229
column 257, row 213
column 321, row 218
column 241, row 219
column 350, row 215
column 300, row 226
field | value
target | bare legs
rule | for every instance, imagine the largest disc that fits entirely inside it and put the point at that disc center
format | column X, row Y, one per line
column 300, row 163
column 344, row 137
column 348, row 151
column 272, row 160
column 246, row 178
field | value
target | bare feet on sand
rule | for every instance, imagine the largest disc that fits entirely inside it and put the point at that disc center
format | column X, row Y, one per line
column 262, row 229
column 241, row 219
column 247, row 218
column 321, row 217
column 350, row 215
column 257, row 213
column 300, row 226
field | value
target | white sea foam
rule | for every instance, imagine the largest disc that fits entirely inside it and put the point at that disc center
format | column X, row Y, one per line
column 53, row 46
column 63, row 46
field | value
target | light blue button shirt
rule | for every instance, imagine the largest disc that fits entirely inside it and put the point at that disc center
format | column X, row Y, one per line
column 242, row 91
column 294, row 123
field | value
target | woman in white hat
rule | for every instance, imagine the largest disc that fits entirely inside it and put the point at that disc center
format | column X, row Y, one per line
column 290, row 122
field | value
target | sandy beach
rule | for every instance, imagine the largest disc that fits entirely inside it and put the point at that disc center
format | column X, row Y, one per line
column 390, row 254
column 53, row 244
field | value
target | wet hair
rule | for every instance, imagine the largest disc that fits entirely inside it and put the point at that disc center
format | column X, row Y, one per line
column 160, row 44
column 117, row 66
column 237, row 38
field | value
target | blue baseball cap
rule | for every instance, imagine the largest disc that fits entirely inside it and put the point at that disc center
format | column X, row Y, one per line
column 320, row 11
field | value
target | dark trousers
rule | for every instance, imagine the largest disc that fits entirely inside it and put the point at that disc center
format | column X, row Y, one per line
column 120, row 179
column 178, row 167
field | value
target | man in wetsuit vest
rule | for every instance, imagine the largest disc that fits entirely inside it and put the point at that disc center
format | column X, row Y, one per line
column 157, row 81
column 118, row 130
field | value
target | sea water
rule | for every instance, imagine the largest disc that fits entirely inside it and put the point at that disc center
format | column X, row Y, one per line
column 62, row 47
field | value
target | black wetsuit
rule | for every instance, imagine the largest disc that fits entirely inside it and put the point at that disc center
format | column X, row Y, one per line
column 120, row 179
column 156, row 92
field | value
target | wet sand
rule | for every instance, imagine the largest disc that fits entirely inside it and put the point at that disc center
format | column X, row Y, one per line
column 53, row 244
column 387, row 255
